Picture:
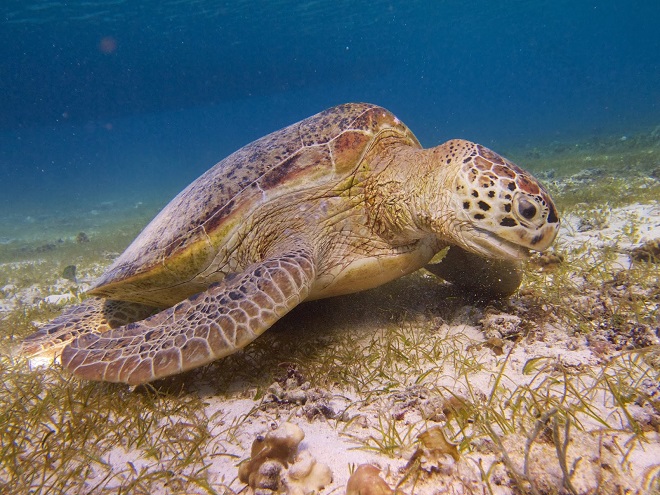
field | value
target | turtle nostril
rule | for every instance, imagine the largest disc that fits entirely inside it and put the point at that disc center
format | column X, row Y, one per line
column 527, row 209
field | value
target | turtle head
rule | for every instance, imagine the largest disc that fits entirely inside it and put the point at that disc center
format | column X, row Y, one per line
column 499, row 210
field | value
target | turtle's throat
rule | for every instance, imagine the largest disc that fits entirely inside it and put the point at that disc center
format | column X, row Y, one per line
column 430, row 196
column 392, row 195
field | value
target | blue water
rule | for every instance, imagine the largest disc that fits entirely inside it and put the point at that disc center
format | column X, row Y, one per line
column 122, row 100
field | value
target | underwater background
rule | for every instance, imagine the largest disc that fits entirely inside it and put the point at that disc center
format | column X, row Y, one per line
column 109, row 108
column 110, row 105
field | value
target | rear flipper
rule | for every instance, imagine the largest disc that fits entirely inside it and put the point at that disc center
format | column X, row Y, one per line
column 478, row 275
column 94, row 315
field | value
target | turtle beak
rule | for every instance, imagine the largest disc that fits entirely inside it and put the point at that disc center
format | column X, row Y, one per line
column 489, row 245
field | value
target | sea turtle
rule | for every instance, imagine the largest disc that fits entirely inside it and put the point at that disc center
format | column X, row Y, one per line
column 342, row 201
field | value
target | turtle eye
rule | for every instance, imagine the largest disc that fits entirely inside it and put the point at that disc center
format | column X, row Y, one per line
column 527, row 209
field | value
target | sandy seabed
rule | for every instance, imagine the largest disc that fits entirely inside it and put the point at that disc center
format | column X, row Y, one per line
column 529, row 402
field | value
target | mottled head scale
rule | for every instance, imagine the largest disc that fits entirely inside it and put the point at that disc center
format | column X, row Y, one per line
column 503, row 207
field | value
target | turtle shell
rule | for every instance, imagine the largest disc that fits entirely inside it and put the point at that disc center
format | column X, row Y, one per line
column 188, row 234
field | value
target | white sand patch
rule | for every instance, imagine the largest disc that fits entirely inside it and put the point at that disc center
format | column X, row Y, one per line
column 622, row 228
column 58, row 299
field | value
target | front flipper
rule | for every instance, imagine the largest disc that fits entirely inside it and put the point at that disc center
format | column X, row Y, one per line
column 479, row 275
column 93, row 315
column 201, row 329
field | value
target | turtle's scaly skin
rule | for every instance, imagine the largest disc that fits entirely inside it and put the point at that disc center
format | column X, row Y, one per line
column 340, row 202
